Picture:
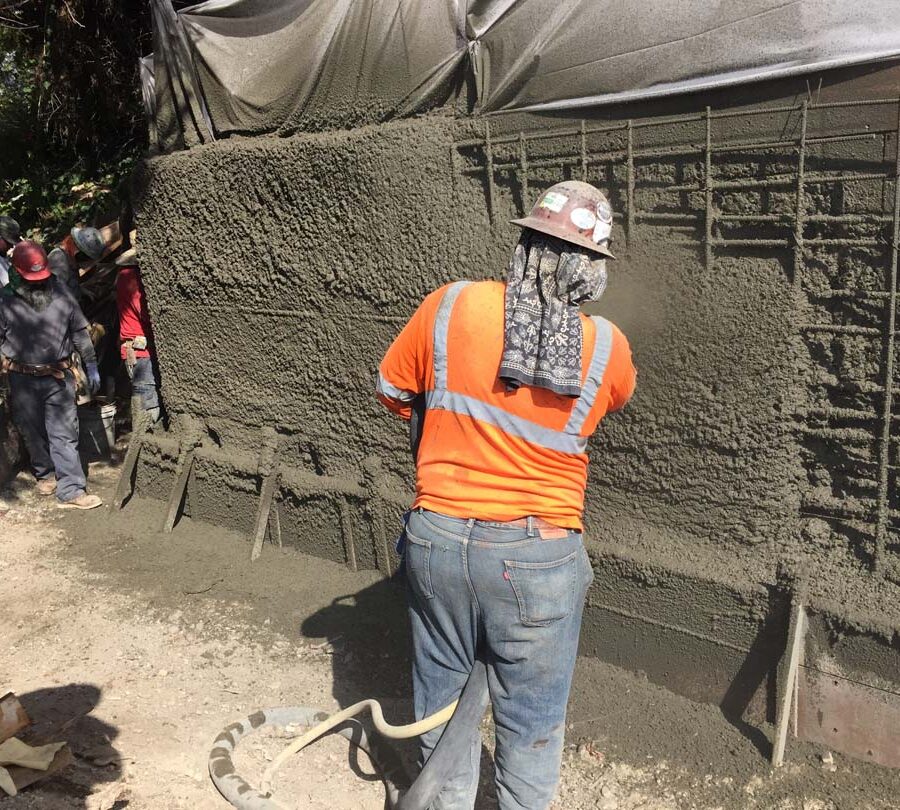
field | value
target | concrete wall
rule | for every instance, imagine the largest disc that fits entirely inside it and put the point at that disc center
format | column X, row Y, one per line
column 278, row 271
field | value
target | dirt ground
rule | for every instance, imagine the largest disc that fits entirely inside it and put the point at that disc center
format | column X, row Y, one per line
column 139, row 647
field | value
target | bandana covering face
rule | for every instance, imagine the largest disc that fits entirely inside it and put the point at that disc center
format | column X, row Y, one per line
column 542, row 343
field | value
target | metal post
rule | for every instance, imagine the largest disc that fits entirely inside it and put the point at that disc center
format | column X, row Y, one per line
column 489, row 158
column 708, row 187
column 881, row 528
column 629, row 184
column 584, row 161
column 800, row 205
column 347, row 534
column 375, row 506
column 523, row 170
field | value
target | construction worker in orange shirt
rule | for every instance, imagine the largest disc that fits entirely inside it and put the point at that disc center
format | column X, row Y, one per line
column 515, row 379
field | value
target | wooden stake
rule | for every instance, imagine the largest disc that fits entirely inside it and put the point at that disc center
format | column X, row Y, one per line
column 140, row 425
column 182, row 474
column 789, row 680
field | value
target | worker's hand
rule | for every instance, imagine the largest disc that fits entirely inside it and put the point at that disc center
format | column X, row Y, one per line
column 93, row 376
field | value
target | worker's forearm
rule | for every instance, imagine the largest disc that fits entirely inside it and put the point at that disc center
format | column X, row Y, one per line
column 83, row 345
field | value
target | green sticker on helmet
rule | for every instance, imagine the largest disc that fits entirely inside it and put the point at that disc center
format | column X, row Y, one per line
column 554, row 201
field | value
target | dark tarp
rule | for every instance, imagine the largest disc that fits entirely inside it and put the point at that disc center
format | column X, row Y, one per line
column 545, row 54
column 227, row 66
column 270, row 64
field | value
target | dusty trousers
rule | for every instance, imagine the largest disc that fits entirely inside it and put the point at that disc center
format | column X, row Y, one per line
column 144, row 385
column 44, row 411
column 518, row 599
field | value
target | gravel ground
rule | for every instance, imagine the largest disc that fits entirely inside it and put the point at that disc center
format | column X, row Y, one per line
column 138, row 649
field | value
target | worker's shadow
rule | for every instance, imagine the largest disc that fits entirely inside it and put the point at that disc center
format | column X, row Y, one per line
column 64, row 714
column 370, row 635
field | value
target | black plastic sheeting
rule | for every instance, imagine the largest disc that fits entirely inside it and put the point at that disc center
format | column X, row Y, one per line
column 251, row 66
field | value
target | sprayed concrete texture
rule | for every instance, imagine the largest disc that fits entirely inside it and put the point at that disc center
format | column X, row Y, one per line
column 759, row 448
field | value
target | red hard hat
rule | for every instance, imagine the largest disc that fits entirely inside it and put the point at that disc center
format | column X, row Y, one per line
column 30, row 260
column 574, row 211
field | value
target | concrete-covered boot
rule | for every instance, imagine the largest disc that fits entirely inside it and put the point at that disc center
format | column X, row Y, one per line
column 46, row 486
column 83, row 501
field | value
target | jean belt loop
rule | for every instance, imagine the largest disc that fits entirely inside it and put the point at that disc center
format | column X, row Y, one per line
column 530, row 530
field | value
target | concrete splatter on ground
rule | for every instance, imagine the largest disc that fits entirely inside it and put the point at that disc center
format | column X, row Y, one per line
column 139, row 648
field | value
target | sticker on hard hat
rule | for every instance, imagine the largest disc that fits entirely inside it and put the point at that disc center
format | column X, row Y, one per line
column 554, row 201
column 604, row 211
column 582, row 218
column 602, row 231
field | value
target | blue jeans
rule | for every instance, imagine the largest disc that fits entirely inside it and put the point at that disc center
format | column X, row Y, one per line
column 144, row 385
column 44, row 411
column 517, row 599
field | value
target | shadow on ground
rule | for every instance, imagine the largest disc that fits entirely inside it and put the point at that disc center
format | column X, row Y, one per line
column 65, row 713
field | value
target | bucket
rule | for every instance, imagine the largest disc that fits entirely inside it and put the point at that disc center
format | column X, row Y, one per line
column 96, row 429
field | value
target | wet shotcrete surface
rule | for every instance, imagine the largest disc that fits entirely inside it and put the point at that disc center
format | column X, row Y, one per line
column 690, row 755
column 704, row 470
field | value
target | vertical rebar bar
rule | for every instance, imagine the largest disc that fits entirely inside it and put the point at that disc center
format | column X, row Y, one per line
column 629, row 185
column 708, row 187
column 347, row 534
column 881, row 528
column 800, row 205
column 523, row 170
column 489, row 160
column 584, row 161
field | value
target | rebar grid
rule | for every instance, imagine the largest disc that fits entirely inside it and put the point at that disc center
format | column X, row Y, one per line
column 704, row 219
column 881, row 526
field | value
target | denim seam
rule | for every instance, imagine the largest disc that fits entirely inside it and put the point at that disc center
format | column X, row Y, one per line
column 465, row 565
column 511, row 565
column 525, row 541
column 539, row 566
column 426, row 569
column 449, row 535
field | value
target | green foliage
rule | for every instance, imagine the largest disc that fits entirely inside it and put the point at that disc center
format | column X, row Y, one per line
column 71, row 115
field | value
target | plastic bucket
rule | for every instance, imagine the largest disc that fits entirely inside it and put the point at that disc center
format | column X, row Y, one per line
column 97, row 429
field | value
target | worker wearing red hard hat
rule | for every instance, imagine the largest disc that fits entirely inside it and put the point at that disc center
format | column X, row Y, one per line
column 40, row 327
column 514, row 379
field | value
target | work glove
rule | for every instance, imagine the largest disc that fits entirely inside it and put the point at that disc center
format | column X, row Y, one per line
column 93, row 376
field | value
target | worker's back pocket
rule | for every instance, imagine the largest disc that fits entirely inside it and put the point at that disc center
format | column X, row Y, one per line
column 545, row 591
column 418, row 566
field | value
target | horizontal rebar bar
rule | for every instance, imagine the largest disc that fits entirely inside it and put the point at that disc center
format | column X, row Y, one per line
column 541, row 134
column 844, row 434
column 863, row 294
column 841, row 329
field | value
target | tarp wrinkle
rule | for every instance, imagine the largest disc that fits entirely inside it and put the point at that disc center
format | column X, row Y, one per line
column 252, row 66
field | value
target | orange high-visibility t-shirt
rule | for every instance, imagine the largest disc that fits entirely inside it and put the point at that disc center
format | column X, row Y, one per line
column 488, row 452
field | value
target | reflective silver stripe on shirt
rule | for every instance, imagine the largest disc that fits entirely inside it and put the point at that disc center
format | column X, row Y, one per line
column 441, row 329
column 563, row 441
column 504, row 420
column 599, row 361
column 383, row 387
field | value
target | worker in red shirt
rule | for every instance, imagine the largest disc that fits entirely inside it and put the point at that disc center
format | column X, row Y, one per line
column 136, row 334
column 515, row 379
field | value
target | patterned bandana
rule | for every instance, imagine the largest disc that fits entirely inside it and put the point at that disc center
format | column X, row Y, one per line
column 547, row 281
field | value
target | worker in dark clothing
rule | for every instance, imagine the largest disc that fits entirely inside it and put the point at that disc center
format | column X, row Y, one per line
column 40, row 327
column 79, row 252
column 10, row 236
column 136, row 333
